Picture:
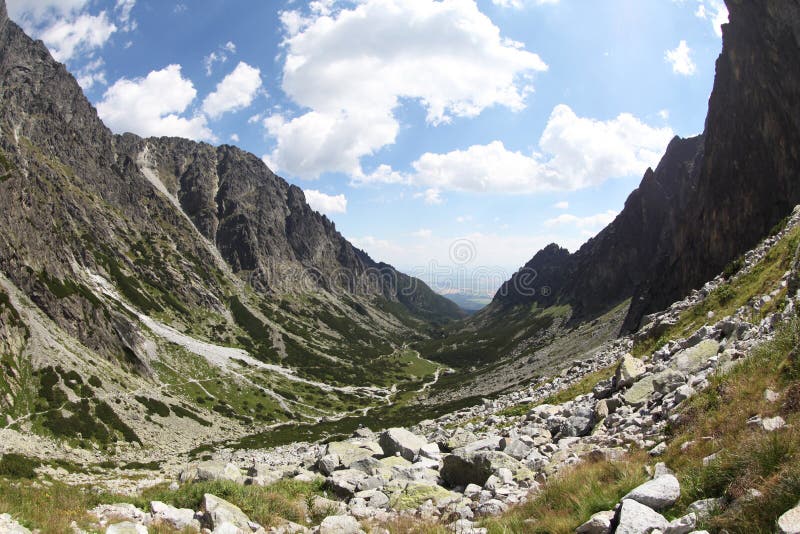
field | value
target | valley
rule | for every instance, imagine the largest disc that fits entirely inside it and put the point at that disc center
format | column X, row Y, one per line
column 186, row 345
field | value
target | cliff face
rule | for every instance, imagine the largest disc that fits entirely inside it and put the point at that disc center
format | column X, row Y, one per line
column 607, row 269
column 712, row 197
column 749, row 178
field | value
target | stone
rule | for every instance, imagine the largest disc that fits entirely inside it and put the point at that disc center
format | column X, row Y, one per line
column 601, row 410
column 772, row 424
column 349, row 452
column 460, row 438
column 340, row 524
column 126, row 527
column 771, row 396
column 691, row 360
column 369, row 466
column 211, row 471
column 704, row 508
column 599, row 523
column 659, row 449
column 668, row 380
column 414, row 494
column 321, row 506
column 229, row 528
column 9, row 526
column 400, row 440
column 789, row 522
column 219, row 511
column 636, row 518
column 328, row 463
column 492, row 507
column 640, row 392
column 684, row 392
column 659, row 493
column 628, row 369
column 515, row 448
column 682, row 525
column 178, row 518
column 345, row 482
column 461, row 468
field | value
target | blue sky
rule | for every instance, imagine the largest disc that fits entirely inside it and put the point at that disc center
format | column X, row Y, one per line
column 433, row 132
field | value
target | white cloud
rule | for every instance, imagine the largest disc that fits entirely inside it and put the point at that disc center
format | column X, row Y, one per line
column 220, row 55
column 90, row 74
column 152, row 106
column 37, row 10
column 326, row 204
column 461, row 219
column 576, row 152
column 235, row 138
column 664, row 114
column 423, row 233
column 596, row 221
column 236, row 91
column 431, row 196
column 351, row 69
column 519, row 4
column 124, row 7
column 563, row 205
column 66, row 38
column 714, row 10
column 681, row 59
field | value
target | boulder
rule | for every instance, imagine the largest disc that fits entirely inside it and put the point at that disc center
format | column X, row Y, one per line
column 462, row 467
column 414, row 494
column 789, row 522
column 211, row 471
column 400, row 440
column 628, row 369
column 659, row 493
column 639, row 393
column 9, row 526
column 691, row 360
column 771, row 424
column 515, row 448
column 682, row 525
column 219, row 511
column 460, row 438
column 346, row 482
column 599, row 523
column 704, row 508
column 349, row 452
column 328, row 463
column 340, row 524
column 178, row 518
column 636, row 518
column 126, row 527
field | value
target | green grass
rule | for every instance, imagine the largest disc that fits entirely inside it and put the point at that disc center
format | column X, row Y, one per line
column 18, row 466
column 571, row 497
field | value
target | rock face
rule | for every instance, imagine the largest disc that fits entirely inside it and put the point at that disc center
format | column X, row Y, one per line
column 710, row 199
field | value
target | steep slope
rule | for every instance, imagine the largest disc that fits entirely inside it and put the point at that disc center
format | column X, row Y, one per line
column 149, row 285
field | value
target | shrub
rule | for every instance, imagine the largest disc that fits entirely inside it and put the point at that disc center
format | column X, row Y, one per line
column 18, row 466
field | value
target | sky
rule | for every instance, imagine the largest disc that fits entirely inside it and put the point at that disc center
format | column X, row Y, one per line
column 443, row 136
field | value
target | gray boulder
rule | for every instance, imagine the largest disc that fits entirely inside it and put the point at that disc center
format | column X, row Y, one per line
column 636, row 518
column 219, row 511
column 178, row 518
column 462, row 468
column 599, row 523
column 340, row 524
column 659, row 493
column 628, row 369
column 682, row 525
column 789, row 522
column 400, row 440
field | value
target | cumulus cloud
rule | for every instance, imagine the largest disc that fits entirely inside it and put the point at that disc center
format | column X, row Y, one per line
column 596, row 221
column 153, row 106
column 576, row 152
column 236, row 91
column 350, row 69
column 715, row 11
column 681, row 59
column 563, row 205
column 65, row 38
column 519, row 4
column 326, row 204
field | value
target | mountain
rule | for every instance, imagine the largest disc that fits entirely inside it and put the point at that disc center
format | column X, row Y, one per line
column 710, row 199
column 174, row 278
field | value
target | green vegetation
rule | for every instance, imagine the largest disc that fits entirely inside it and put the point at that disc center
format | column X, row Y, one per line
column 572, row 497
column 18, row 466
column 736, row 292
column 154, row 406
column 66, row 288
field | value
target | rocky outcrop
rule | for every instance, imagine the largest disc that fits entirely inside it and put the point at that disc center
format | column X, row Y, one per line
column 710, row 199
